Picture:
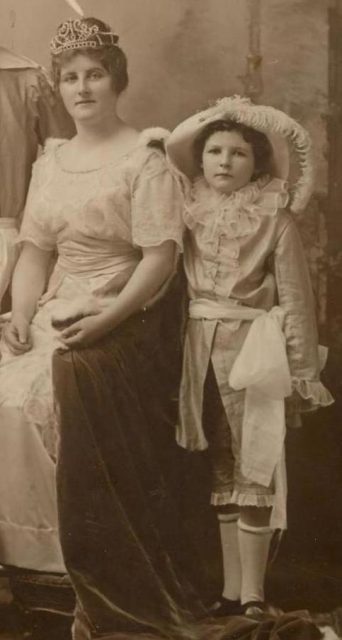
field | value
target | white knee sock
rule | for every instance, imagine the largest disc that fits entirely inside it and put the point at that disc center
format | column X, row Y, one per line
column 231, row 555
column 254, row 544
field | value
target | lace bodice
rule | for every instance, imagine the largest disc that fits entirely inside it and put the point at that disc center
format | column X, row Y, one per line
column 99, row 218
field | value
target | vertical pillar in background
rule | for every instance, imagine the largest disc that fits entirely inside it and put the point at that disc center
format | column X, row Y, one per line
column 334, row 213
column 12, row 24
column 252, row 80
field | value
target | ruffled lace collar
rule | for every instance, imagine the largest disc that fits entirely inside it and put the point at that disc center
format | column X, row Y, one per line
column 238, row 214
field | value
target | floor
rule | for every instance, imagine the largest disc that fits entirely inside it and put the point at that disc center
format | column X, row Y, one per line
column 292, row 585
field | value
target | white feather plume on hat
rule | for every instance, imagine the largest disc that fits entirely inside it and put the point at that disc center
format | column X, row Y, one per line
column 281, row 130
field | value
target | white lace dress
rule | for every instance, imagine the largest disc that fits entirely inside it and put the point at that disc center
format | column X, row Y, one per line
column 98, row 221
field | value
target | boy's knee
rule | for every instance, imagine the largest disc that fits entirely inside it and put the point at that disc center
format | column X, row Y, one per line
column 255, row 516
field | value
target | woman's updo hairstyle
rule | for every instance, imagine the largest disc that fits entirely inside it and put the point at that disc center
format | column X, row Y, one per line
column 261, row 146
column 111, row 56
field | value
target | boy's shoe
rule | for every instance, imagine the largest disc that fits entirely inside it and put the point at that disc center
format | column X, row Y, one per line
column 254, row 608
column 224, row 607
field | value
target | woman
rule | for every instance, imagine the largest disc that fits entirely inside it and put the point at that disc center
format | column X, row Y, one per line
column 107, row 204
column 118, row 522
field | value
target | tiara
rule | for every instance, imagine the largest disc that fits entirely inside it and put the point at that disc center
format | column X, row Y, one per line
column 77, row 34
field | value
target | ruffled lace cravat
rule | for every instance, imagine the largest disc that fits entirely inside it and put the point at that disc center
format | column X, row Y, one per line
column 235, row 215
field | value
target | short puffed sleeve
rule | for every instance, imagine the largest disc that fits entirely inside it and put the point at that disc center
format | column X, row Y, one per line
column 37, row 225
column 156, row 202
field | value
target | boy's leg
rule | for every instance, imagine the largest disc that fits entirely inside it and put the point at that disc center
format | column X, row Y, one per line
column 254, row 537
column 230, row 555
column 222, row 463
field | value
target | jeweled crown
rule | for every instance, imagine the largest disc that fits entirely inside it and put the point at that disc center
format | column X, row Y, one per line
column 77, row 34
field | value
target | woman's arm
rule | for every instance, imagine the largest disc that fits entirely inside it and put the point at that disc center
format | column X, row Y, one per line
column 151, row 273
column 28, row 284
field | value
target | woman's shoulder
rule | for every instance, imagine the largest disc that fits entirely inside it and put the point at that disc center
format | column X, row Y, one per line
column 150, row 149
column 52, row 143
column 153, row 138
column 46, row 159
column 49, row 151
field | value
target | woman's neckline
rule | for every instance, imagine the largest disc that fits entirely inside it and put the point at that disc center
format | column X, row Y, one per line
column 109, row 163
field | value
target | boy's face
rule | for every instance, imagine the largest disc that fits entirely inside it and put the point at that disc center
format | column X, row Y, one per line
column 227, row 161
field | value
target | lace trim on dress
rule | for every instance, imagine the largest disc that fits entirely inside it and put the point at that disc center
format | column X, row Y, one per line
column 313, row 392
column 242, row 499
column 235, row 215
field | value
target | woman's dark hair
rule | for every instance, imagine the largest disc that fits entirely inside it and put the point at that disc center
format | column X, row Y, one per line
column 111, row 57
column 261, row 146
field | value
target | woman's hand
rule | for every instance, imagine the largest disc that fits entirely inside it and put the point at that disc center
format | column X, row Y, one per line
column 16, row 334
column 149, row 276
column 84, row 332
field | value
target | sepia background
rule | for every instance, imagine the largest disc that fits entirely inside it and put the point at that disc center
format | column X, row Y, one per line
column 182, row 55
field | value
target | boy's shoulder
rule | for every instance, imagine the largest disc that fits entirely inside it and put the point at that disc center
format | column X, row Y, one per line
column 285, row 221
column 284, row 215
column 276, row 220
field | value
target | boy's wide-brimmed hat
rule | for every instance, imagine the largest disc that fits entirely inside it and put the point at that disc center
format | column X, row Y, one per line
column 282, row 131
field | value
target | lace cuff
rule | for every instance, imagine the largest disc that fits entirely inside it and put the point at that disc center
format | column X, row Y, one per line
column 313, row 394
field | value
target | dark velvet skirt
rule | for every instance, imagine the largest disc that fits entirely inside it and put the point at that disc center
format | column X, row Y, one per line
column 119, row 478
